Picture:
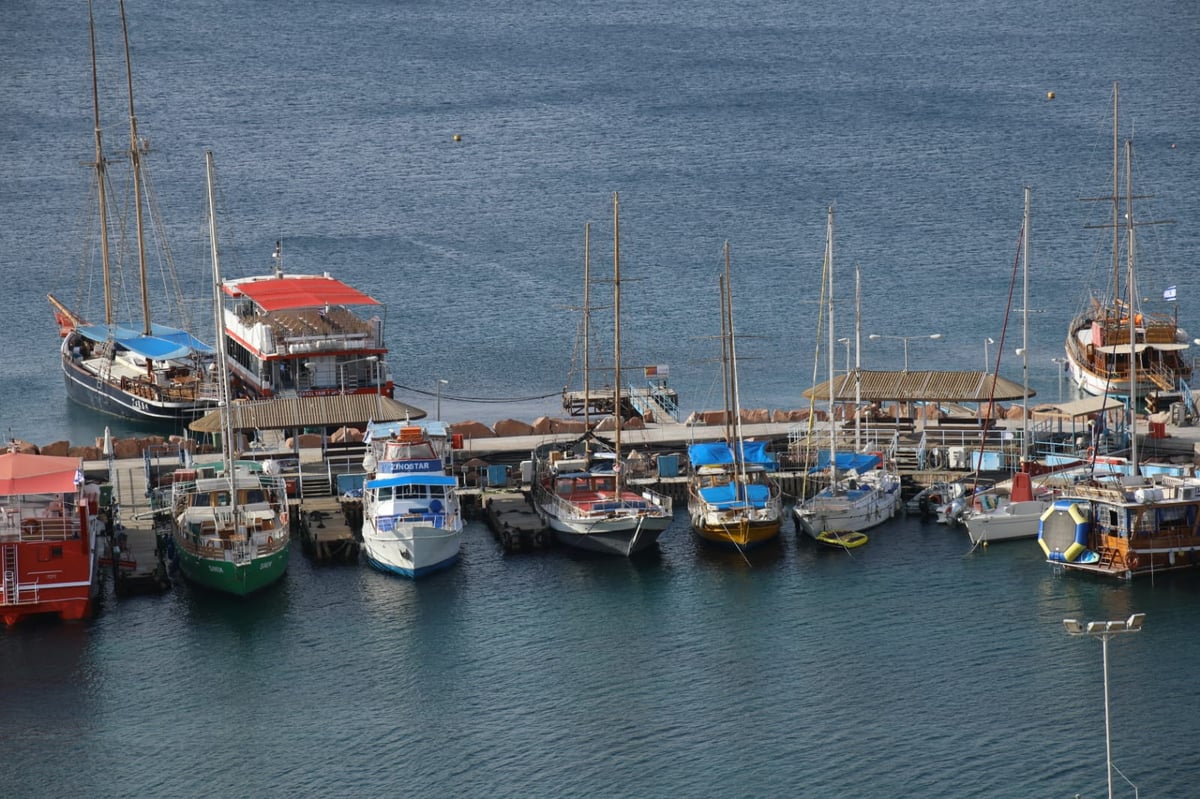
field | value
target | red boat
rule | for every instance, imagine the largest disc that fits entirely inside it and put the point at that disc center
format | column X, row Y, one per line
column 48, row 527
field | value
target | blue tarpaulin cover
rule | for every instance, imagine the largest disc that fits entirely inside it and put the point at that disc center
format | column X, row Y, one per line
column 724, row 496
column 716, row 453
column 164, row 343
column 858, row 461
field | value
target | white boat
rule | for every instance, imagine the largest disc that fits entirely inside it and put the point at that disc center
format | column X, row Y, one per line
column 412, row 518
column 582, row 494
column 132, row 368
column 1113, row 347
column 733, row 501
column 1017, row 515
column 862, row 491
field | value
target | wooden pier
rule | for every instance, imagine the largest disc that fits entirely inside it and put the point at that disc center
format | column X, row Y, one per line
column 513, row 521
column 325, row 531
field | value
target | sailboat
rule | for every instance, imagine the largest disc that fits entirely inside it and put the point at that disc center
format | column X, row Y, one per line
column 1018, row 516
column 732, row 498
column 143, row 370
column 862, row 492
column 231, row 522
column 582, row 492
column 1113, row 338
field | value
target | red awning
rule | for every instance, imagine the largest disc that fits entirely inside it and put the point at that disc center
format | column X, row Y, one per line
column 37, row 474
column 298, row 291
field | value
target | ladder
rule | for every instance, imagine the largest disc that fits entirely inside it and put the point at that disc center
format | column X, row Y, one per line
column 9, row 567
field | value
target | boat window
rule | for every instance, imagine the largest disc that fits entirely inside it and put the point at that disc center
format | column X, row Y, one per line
column 255, row 495
column 384, row 494
column 202, row 501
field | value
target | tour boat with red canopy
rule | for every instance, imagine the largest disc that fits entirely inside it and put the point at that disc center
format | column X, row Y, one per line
column 48, row 530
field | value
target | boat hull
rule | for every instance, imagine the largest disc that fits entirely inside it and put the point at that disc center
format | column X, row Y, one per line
column 1008, row 522
column 852, row 513
column 71, row 594
column 228, row 576
column 95, row 393
column 737, row 533
column 623, row 540
column 411, row 550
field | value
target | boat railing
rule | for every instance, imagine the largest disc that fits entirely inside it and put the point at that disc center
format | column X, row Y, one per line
column 35, row 529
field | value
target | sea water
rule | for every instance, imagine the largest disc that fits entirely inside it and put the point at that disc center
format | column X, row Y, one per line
column 912, row 667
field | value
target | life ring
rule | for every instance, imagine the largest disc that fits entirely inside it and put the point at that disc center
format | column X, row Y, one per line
column 29, row 527
column 1091, row 453
column 1132, row 560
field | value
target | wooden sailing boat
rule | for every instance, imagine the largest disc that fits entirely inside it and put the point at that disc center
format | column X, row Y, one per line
column 1113, row 347
column 861, row 492
column 152, row 373
column 732, row 498
column 231, row 523
column 582, row 492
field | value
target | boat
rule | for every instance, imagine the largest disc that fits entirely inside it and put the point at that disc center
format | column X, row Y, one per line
column 733, row 500
column 862, row 491
column 1114, row 347
column 303, row 335
column 48, row 531
column 1124, row 527
column 841, row 539
column 134, row 369
column 231, row 524
column 580, row 490
column 1016, row 516
column 412, row 519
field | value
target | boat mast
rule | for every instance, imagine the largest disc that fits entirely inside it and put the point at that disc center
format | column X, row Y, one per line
column 727, row 392
column 617, row 342
column 587, row 326
column 857, row 355
column 219, row 322
column 135, row 162
column 1132, row 289
column 1025, row 338
column 739, row 454
column 1116, row 209
column 99, row 165
column 832, row 423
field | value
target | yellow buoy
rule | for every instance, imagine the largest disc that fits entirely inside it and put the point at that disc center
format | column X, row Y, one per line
column 457, row 137
column 1049, row 95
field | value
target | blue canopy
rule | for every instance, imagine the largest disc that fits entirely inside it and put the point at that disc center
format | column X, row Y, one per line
column 413, row 479
column 718, row 453
column 725, row 496
column 163, row 344
column 858, row 461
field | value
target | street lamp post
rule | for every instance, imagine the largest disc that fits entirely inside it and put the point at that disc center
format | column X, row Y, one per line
column 987, row 361
column 1105, row 630
column 1061, row 363
column 847, row 342
column 905, row 339
column 440, row 383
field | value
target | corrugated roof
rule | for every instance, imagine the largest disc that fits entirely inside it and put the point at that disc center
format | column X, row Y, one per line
column 293, row 412
column 919, row 386
column 297, row 291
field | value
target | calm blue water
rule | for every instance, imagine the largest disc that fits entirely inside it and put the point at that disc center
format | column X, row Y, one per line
column 910, row 669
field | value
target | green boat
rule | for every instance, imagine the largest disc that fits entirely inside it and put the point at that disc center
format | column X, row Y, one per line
column 238, row 546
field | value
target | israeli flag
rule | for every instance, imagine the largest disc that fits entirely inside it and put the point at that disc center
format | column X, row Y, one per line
column 1169, row 294
column 78, row 477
